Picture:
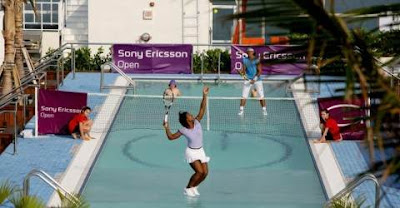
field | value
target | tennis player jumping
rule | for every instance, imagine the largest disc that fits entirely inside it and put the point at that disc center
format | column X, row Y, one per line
column 194, row 152
column 252, row 68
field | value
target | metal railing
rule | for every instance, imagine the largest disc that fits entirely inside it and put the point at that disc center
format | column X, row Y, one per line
column 389, row 70
column 16, row 92
column 51, row 182
column 354, row 184
column 16, row 97
column 75, row 45
column 114, row 67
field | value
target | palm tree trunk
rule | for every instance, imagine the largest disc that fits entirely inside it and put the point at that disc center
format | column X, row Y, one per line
column 19, row 37
column 9, row 36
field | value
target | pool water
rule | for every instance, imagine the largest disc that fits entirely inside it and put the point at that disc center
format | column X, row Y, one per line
column 249, row 167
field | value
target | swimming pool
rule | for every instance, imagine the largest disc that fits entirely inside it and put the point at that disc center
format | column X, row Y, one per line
column 256, row 161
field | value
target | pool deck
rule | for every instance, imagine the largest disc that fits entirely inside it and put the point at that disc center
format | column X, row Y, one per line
column 54, row 154
column 351, row 156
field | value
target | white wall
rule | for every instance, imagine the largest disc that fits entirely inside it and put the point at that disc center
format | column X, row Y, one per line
column 50, row 40
column 1, row 38
column 385, row 21
column 122, row 21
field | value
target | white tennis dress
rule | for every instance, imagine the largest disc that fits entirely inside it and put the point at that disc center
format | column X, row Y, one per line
column 194, row 150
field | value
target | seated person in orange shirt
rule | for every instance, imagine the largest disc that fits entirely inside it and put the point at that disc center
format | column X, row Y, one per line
column 81, row 124
column 330, row 129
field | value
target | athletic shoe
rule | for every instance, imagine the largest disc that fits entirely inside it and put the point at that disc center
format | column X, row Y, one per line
column 265, row 113
column 189, row 192
column 240, row 112
column 195, row 191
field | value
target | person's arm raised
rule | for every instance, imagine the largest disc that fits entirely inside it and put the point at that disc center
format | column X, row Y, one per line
column 203, row 104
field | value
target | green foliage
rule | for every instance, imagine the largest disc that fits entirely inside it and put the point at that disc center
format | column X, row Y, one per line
column 297, row 38
column 331, row 41
column 80, row 202
column 21, row 201
column 385, row 43
column 11, row 193
column 380, row 44
column 347, row 202
column 6, row 190
column 210, row 61
column 99, row 59
column 85, row 60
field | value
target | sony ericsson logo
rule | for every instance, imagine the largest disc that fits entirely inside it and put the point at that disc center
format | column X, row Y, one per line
column 350, row 119
column 267, row 55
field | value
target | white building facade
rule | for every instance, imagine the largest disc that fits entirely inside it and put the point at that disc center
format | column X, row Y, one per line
column 126, row 21
column 166, row 21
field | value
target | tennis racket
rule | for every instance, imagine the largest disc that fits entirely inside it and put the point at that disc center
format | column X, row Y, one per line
column 242, row 74
column 168, row 99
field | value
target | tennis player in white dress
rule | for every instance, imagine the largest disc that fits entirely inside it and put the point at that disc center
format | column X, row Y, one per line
column 194, row 152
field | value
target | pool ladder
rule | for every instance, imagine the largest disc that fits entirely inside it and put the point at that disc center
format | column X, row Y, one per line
column 51, row 182
column 354, row 184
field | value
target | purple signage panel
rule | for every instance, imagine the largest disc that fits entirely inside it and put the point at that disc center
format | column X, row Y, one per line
column 153, row 58
column 344, row 113
column 56, row 109
column 273, row 53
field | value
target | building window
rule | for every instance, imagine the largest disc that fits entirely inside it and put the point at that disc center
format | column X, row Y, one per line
column 224, row 2
column 222, row 29
column 46, row 18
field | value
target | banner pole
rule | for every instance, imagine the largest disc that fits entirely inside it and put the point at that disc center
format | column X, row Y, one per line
column 36, row 112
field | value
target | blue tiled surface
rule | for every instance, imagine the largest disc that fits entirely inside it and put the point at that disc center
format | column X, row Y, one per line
column 50, row 153
column 87, row 82
column 349, row 158
column 353, row 158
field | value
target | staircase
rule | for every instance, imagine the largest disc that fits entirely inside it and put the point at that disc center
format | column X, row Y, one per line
column 190, row 21
column 76, row 22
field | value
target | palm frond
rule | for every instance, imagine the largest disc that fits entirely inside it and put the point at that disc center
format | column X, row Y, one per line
column 347, row 201
column 6, row 190
column 327, row 38
column 21, row 201
column 77, row 201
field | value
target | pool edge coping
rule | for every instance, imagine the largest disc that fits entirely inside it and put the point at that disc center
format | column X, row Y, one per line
column 325, row 160
column 77, row 170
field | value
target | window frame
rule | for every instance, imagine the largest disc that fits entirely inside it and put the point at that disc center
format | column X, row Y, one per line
column 38, row 23
column 218, row 6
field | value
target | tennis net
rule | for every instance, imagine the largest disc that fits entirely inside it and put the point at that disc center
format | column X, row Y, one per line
column 127, row 112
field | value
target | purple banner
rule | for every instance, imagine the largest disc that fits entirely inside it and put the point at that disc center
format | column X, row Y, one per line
column 344, row 114
column 153, row 58
column 56, row 109
column 273, row 53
